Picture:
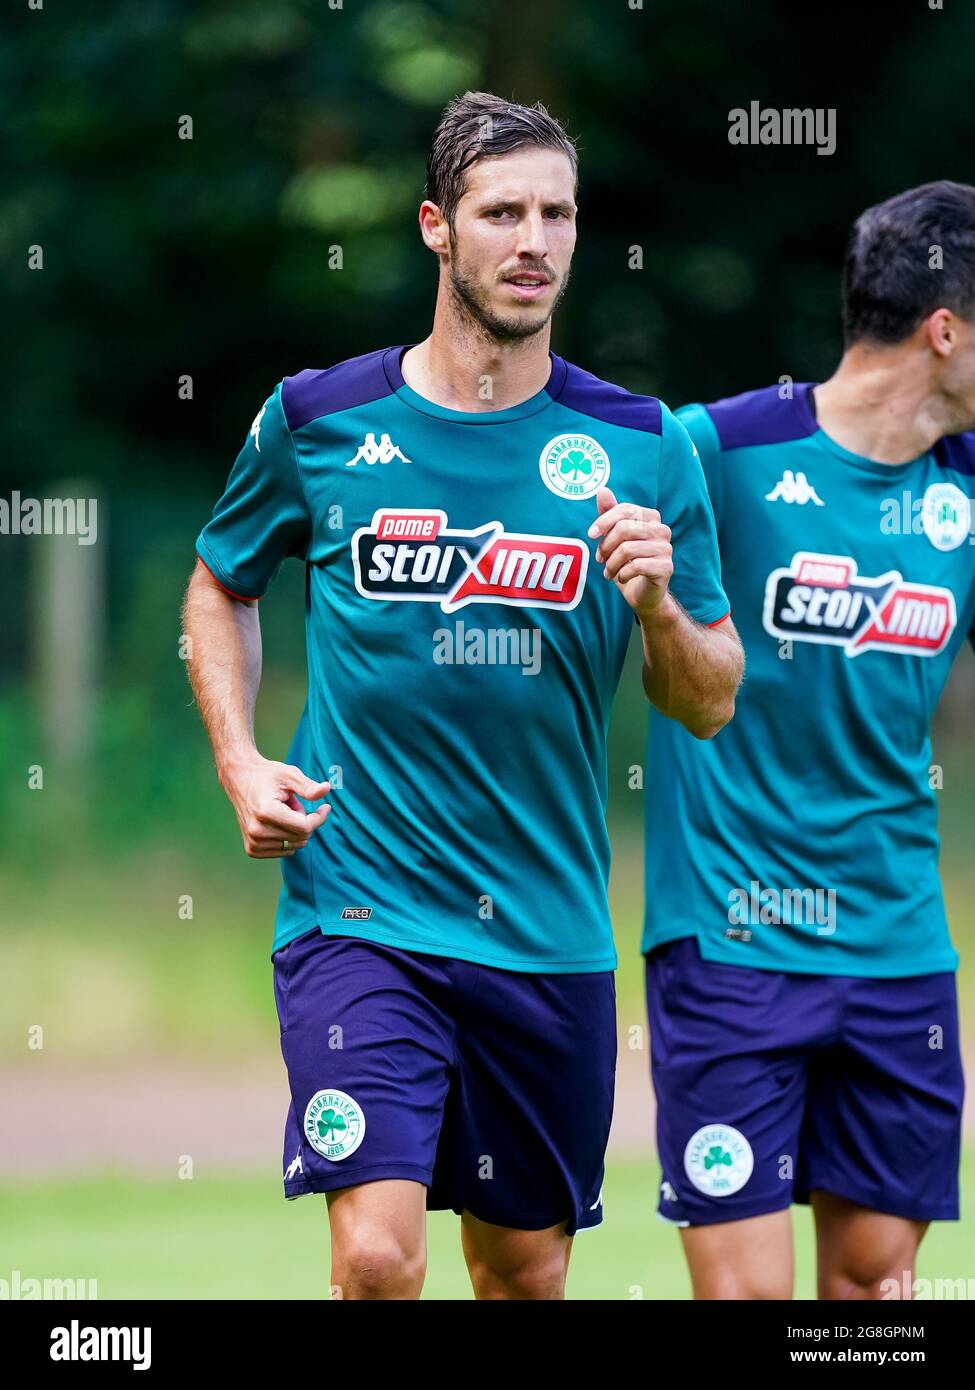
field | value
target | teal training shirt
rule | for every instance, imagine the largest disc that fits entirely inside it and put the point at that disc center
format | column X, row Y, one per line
column 804, row 836
column 463, row 646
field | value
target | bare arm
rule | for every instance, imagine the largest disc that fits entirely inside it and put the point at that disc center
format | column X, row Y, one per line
column 225, row 673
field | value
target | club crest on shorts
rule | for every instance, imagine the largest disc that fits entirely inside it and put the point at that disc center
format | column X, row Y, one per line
column 334, row 1124
column 573, row 466
column 946, row 516
column 718, row 1160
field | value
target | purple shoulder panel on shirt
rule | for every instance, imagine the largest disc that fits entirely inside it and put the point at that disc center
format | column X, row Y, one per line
column 601, row 400
column 763, row 417
column 356, row 381
column 957, row 451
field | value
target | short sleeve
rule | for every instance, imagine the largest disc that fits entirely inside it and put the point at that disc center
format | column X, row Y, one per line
column 685, row 506
column 704, row 436
column 262, row 516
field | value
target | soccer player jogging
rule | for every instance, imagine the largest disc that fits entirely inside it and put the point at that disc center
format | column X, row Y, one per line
column 443, row 958
column 800, row 976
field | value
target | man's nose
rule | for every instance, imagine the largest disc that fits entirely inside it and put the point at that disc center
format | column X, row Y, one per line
column 531, row 239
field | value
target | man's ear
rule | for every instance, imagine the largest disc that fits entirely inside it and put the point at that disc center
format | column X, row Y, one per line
column 434, row 228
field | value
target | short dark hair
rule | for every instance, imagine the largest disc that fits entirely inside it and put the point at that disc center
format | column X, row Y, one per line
column 889, row 287
column 479, row 124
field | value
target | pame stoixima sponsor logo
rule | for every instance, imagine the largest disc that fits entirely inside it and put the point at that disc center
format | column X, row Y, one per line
column 822, row 598
column 415, row 556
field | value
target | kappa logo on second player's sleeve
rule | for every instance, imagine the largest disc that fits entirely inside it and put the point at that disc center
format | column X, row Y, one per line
column 415, row 556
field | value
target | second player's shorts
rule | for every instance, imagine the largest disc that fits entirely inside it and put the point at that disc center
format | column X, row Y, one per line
column 491, row 1087
column 771, row 1085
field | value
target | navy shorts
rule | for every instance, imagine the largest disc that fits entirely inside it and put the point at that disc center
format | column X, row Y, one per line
column 770, row 1085
column 491, row 1087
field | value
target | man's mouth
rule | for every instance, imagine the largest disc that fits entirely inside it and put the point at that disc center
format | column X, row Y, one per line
column 528, row 286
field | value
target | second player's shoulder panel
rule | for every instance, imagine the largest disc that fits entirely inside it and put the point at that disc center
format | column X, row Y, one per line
column 769, row 415
column 956, row 454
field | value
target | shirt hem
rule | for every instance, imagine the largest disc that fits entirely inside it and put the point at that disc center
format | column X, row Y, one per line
column 521, row 964
column 876, row 970
column 299, row 929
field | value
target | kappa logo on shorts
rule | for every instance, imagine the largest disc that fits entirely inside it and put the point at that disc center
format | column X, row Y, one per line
column 821, row 598
column 413, row 555
column 718, row 1160
column 334, row 1124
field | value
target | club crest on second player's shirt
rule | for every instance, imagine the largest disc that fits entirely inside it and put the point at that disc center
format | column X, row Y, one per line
column 414, row 555
column 946, row 516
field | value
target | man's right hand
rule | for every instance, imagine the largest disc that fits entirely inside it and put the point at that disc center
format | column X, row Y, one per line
column 273, row 822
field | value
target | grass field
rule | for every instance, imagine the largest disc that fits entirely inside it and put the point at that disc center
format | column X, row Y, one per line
column 235, row 1237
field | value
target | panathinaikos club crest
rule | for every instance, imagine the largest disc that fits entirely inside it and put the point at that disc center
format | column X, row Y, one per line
column 334, row 1124
column 574, row 466
column 718, row 1160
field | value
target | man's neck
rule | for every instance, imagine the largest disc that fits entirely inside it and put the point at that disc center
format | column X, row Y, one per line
column 461, row 368
column 880, row 403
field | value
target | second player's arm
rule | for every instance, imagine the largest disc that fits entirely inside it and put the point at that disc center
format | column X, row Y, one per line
column 225, row 672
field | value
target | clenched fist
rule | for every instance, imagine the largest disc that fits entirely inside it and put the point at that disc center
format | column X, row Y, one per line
column 273, row 822
column 635, row 551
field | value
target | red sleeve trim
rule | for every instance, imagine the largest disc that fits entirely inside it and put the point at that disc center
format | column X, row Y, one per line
column 241, row 598
column 716, row 621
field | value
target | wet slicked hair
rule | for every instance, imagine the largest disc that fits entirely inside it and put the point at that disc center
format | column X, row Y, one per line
column 889, row 286
column 479, row 124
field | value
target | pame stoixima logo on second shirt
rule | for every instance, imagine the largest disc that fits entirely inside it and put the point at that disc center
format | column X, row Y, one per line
column 822, row 598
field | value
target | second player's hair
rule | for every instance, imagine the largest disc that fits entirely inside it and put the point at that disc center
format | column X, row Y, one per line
column 478, row 124
column 907, row 257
